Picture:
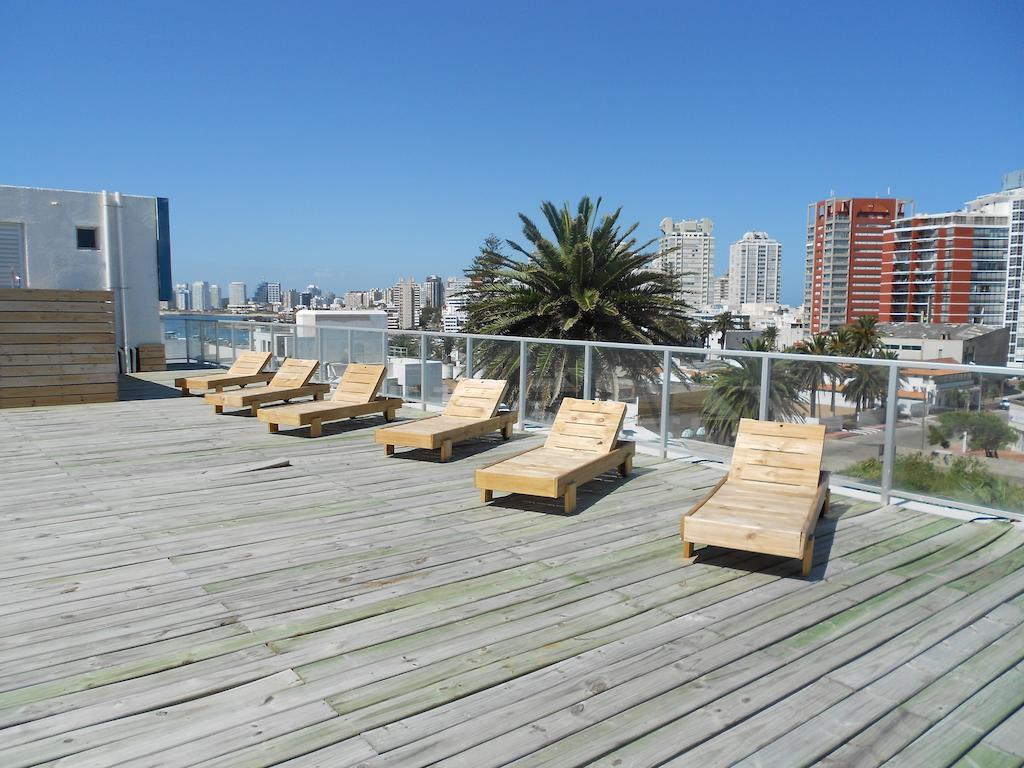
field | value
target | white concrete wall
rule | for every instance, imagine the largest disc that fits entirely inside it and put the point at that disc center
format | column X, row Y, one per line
column 53, row 259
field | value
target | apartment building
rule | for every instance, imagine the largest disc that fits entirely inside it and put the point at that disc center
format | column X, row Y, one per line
column 843, row 257
column 405, row 299
column 945, row 268
column 754, row 276
column 686, row 250
column 237, row 294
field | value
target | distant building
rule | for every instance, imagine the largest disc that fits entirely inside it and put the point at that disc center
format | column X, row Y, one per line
column 259, row 296
column 1010, row 203
column 237, row 295
column 405, row 297
column 64, row 240
column 433, row 292
column 754, row 275
column 843, row 257
column 957, row 342
column 290, row 298
column 686, row 251
column 182, row 297
column 273, row 293
column 720, row 291
column 215, row 300
column 201, row 296
column 945, row 268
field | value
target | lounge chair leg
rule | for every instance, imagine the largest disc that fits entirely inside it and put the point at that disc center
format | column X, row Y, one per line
column 506, row 431
column 446, row 450
column 315, row 428
column 272, row 427
column 828, row 500
column 486, row 495
column 570, row 499
column 184, row 391
column 254, row 409
column 389, row 450
column 626, row 466
column 687, row 549
column 318, row 395
column 218, row 409
column 389, row 415
column 808, row 558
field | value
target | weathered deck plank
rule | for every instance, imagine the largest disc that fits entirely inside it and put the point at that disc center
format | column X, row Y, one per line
column 192, row 590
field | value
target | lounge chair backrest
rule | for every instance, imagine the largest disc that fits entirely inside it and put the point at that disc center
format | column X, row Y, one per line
column 778, row 453
column 476, row 398
column 359, row 383
column 249, row 363
column 587, row 425
column 294, row 373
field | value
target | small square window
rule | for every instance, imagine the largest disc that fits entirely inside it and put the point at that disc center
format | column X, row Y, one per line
column 87, row 238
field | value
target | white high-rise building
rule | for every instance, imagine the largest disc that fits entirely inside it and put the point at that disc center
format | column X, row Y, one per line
column 273, row 293
column 182, row 296
column 201, row 296
column 236, row 294
column 754, row 277
column 405, row 297
column 1009, row 203
column 214, row 296
column 687, row 251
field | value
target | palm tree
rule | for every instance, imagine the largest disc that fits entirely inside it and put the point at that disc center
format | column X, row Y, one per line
column 812, row 375
column 868, row 385
column 865, row 338
column 770, row 337
column 723, row 323
column 703, row 332
column 736, row 390
column 591, row 281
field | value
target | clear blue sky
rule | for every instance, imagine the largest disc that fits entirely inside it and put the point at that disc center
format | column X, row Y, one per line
column 348, row 145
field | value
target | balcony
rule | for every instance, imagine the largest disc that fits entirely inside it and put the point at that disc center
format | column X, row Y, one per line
column 184, row 588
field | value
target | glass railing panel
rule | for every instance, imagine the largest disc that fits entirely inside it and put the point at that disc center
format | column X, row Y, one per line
column 690, row 393
column 498, row 360
column 446, row 358
column 961, row 439
column 403, row 379
column 851, row 403
column 368, row 347
column 333, row 354
column 633, row 377
column 730, row 390
column 555, row 371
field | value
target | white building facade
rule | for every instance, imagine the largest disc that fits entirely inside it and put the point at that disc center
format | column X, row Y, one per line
column 66, row 240
column 237, row 294
column 754, row 276
column 1010, row 203
column 201, row 296
column 405, row 299
column 686, row 250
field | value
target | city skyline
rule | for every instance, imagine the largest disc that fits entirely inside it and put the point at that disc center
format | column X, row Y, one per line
column 381, row 134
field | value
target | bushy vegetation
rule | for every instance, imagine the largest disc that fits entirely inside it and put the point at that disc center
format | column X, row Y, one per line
column 964, row 479
column 985, row 431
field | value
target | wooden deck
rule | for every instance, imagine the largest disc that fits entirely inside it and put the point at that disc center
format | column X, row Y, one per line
column 179, row 588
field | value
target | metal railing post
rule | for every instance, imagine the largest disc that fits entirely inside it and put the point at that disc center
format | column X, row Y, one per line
column 588, row 365
column 349, row 358
column 524, row 357
column 666, row 394
column 216, row 341
column 234, row 342
column 384, row 347
column 188, row 333
column 766, row 388
column 889, row 451
column 320, row 352
column 468, row 372
column 423, row 372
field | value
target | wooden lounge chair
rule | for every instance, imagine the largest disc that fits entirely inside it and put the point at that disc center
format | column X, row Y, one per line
column 582, row 445
column 356, row 395
column 290, row 382
column 247, row 369
column 770, row 500
column 471, row 412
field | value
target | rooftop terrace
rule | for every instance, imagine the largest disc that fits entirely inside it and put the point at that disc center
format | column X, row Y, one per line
column 179, row 588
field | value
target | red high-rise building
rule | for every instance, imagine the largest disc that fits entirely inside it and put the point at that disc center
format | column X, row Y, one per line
column 843, row 262
column 945, row 268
